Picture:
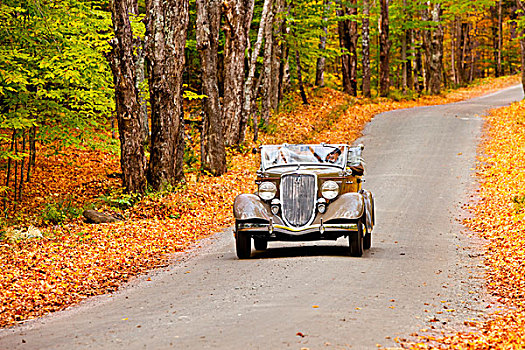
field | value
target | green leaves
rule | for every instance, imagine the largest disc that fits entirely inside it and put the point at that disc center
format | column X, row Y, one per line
column 52, row 68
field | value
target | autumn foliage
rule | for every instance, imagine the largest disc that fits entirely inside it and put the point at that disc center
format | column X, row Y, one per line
column 75, row 260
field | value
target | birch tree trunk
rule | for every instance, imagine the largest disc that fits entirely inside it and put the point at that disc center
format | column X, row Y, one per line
column 122, row 63
column 213, row 154
column 238, row 17
column 167, row 23
column 384, row 50
column 366, row 48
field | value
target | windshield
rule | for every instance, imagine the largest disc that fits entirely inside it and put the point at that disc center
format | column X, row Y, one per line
column 283, row 155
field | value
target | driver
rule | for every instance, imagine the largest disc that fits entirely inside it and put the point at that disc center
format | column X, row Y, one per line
column 333, row 156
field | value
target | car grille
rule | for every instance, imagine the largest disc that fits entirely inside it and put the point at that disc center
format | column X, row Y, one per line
column 298, row 192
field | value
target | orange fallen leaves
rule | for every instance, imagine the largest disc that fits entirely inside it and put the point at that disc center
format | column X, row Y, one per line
column 77, row 260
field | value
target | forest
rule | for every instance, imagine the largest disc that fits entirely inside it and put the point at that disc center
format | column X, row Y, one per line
column 72, row 71
column 149, row 110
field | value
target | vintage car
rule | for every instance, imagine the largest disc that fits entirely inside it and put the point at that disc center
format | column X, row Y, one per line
column 306, row 192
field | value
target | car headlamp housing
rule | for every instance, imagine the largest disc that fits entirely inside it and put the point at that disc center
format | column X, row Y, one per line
column 330, row 189
column 267, row 190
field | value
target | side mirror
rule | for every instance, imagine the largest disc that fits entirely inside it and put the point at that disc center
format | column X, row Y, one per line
column 361, row 146
column 255, row 150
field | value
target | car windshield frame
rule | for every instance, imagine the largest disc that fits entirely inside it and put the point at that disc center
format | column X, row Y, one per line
column 302, row 155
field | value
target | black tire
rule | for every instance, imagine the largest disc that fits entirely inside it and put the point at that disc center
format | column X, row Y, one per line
column 243, row 245
column 260, row 243
column 355, row 241
column 367, row 240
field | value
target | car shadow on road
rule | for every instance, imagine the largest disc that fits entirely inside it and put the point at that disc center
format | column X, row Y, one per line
column 303, row 251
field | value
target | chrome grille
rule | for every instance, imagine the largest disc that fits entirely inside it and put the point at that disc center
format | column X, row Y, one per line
column 298, row 192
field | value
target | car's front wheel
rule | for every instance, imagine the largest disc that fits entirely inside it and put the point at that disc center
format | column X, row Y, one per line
column 355, row 241
column 243, row 245
column 260, row 243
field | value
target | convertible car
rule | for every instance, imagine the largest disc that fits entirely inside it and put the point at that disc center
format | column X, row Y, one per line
column 306, row 192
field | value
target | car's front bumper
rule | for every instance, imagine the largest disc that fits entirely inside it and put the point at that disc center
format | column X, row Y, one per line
column 312, row 232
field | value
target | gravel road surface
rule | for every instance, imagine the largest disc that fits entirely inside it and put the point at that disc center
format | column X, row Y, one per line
column 421, row 272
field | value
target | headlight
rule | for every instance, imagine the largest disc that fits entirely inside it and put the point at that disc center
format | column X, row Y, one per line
column 267, row 190
column 330, row 189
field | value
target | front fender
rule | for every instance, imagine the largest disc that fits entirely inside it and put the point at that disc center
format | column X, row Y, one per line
column 349, row 206
column 370, row 209
column 250, row 207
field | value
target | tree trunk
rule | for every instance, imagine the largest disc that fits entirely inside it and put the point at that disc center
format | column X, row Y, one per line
column 347, row 29
column 321, row 61
column 366, row 48
column 122, row 63
column 464, row 53
column 521, row 36
column 418, row 76
column 267, row 71
column 433, row 41
column 238, row 17
column 249, row 93
column 213, row 154
column 141, row 75
column 384, row 50
column 167, row 23
column 453, row 51
column 300, row 77
column 500, row 39
column 277, row 53
column 404, row 70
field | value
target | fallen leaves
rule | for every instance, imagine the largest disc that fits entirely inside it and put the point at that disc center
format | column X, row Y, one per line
column 77, row 260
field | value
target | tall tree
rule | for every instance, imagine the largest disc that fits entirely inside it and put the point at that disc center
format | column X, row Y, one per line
column 384, row 50
column 269, row 68
column 433, row 40
column 249, row 87
column 213, row 154
column 167, row 23
column 277, row 53
column 521, row 28
column 238, row 17
column 365, row 42
column 122, row 62
column 347, row 28
column 321, row 60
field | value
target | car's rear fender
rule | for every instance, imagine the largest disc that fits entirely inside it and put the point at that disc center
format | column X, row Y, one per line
column 349, row 206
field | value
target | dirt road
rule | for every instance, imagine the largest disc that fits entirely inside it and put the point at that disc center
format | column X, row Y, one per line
column 421, row 272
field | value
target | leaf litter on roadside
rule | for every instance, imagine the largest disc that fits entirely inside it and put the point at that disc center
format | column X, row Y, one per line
column 76, row 260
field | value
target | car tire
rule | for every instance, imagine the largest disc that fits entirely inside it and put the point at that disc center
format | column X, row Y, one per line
column 243, row 245
column 355, row 241
column 260, row 243
column 367, row 240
